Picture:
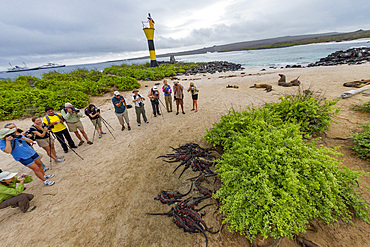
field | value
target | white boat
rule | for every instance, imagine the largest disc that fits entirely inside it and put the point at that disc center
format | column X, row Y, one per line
column 51, row 66
column 20, row 68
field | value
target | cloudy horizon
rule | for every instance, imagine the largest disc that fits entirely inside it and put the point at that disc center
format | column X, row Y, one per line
column 73, row 32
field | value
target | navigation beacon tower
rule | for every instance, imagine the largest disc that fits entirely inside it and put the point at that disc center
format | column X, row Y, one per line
column 149, row 33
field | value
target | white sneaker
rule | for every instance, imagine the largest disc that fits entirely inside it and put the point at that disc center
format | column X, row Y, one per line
column 59, row 160
column 60, row 157
column 46, row 168
column 48, row 183
column 48, row 176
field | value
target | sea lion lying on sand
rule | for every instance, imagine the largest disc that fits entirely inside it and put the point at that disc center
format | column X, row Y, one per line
column 357, row 84
column 267, row 87
column 232, row 86
column 295, row 82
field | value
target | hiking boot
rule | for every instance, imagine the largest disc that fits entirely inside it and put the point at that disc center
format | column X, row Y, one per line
column 59, row 160
column 183, row 112
column 103, row 133
column 48, row 176
column 147, row 122
column 128, row 127
column 48, row 183
column 123, row 128
column 99, row 136
column 138, row 124
column 31, row 208
column 65, row 151
column 81, row 142
column 90, row 142
column 177, row 113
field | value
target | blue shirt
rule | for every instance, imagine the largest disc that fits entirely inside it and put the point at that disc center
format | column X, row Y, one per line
column 21, row 149
column 122, row 107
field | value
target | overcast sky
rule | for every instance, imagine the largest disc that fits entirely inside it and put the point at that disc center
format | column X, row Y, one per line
column 79, row 31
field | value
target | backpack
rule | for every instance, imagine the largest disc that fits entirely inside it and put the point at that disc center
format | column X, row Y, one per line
column 59, row 116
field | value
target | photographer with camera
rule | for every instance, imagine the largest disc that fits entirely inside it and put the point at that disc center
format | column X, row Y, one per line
column 178, row 91
column 54, row 121
column 154, row 99
column 11, row 195
column 139, row 106
column 43, row 138
column 17, row 146
column 72, row 117
column 167, row 95
column 94, row 114
column 120, row 108
column 194, row 94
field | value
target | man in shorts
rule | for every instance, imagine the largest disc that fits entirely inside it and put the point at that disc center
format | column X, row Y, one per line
column 72, row 117
column 17, row 146
column 178, row 91
column 55, row 121
column 120, row 108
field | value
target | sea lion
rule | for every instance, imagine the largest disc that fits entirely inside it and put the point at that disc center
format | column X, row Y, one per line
column 282, row 78
column 232, row 86
column 296, row 82
column 267, row 87
column 357, row 84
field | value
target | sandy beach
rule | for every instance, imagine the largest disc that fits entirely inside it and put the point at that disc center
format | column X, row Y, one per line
column 103, row 199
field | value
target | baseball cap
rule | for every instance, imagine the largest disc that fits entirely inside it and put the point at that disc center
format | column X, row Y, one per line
column 116, row 93
column 68, row 104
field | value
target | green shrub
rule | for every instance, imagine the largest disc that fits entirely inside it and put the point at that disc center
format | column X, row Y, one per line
column 363, row 108
column 273, row 182
column 362, row 142
column 312, row 114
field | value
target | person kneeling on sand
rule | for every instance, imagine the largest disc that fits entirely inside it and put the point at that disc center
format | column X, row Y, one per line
column 11, row 195
column 43, row 138
column 178, row 91
column 120, row 108
column 139, row 106
column 72, row 117
column 17, row 146
column 94, row 114
column 55, row 123
column 194, row 94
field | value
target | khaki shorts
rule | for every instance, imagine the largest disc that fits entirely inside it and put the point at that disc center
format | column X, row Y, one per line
column 96, row 123
column 44, row 142
column 74, row 126
column 122, row 116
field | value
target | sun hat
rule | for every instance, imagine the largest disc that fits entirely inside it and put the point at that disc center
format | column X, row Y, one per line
column 8, row 124
column 116, row 93
column 4, row 132
column 6, row 175
column 135, row 90
column 155, row 88
column 68, row 105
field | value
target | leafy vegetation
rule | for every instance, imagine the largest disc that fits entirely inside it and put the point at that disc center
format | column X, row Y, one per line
column 362, row 142
column 362, row 108
column 273, row 182
column 28, row 96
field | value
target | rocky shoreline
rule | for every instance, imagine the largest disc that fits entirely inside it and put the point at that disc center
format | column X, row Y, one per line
column 350, row 56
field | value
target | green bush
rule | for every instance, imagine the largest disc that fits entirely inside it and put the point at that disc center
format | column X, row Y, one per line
column 362, row 142
column 363, row 108
column 312, row 114
column 273, row 182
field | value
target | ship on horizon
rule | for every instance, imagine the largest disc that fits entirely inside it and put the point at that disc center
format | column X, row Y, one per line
column 17, row 68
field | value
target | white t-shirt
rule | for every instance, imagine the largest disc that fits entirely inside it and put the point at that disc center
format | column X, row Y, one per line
column 137, row 103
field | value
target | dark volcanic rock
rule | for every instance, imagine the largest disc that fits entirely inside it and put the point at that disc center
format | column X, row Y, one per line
column 351, row 56
column 213, row 67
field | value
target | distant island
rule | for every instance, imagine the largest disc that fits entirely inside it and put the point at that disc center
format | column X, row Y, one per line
column 279, row 42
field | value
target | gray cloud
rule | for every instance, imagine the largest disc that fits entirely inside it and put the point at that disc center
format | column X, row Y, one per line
column 43, row 31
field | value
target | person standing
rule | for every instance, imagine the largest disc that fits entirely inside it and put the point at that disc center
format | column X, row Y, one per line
column 194, row 95
column 139, row 106
column 72, row 117
column 94, row 114
column 178, row 91
column 43, row 138
column 120, row 109
column 55, row 121
column 11, row 195
column 154, row 99
column 17, row 146
column 167, row 95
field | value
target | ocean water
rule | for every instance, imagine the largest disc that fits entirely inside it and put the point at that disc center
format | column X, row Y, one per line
column 276, row 57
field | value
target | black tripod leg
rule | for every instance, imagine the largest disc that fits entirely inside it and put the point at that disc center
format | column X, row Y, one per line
column 108, row 128
column 95, row 129
column 51, row 167
column 67, row 145
column 104, row 121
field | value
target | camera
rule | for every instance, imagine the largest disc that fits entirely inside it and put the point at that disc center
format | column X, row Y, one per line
column 141, row 104
column 96, row 110
column 74, row 109
column 14, row 135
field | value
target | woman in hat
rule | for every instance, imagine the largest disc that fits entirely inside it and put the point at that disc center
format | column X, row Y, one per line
column 154, row 99
column 194, row 94
column 17, row 146
column 139, row 106
column 11, row 195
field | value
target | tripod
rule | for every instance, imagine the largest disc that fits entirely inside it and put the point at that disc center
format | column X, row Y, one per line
column 106, row 124
column 59, row 139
